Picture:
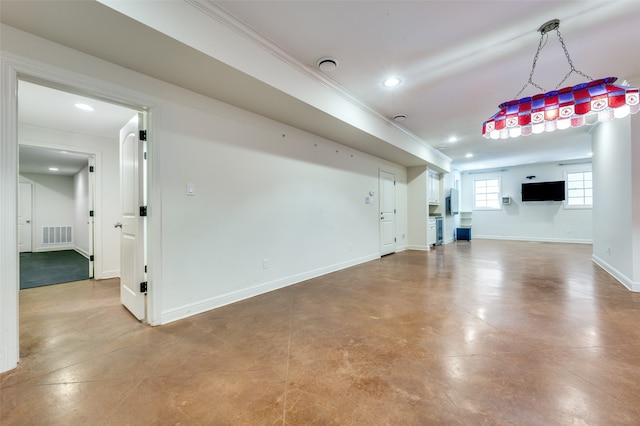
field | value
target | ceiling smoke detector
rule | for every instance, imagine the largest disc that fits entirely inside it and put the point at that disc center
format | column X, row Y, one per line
column 399, row 117
column 327, row 64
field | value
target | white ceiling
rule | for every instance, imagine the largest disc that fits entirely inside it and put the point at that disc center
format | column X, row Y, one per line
column 53, row 109
column 457, row 61
column 41, row 160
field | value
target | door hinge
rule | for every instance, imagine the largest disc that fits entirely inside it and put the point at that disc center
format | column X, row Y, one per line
column 143, row 135
column 143, row 287
column 143, row 210
column 145, row 269
column 91, row 169
column 395, row 240
column 144, row 155
column 394, row 183
column 394, row 211
column 90, row 213
column 91, row 258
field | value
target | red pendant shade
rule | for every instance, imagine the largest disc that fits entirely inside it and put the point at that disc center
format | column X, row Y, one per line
column 586, row 103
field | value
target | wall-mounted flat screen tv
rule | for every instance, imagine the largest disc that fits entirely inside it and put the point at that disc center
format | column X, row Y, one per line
column 543, row 191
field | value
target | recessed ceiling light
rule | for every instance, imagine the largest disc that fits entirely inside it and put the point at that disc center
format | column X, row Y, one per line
column 452, row 139
column 327, row 64
column 391, row 82
column 469, row 155
column 84, row 107
column 399, row 117
column 53, row 169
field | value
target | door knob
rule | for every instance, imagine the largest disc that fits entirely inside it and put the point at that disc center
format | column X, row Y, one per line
column 28, row 221
column 117, row 225
column 382, row 217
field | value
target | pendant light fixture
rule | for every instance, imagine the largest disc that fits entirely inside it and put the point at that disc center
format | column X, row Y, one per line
column 586, row 103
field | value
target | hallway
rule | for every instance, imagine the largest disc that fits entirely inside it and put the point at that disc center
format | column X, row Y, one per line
column 480, row 332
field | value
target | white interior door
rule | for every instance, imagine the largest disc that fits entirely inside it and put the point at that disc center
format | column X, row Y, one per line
column 132, row 227
column 387, row 213
column 25, row 208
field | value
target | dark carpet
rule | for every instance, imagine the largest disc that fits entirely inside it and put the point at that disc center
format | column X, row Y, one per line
column 52, row 267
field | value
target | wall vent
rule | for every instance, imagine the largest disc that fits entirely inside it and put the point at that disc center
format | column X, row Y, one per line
column 57, row 234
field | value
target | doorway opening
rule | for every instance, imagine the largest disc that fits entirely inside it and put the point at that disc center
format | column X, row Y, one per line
column 69, row 157
column 55, row 216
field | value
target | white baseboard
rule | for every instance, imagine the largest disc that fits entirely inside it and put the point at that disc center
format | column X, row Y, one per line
column 622, row 278
column 106, row 275
column 533, row 239
column 82, row 252
column 236, row 296
column 418, row 247
column 52, row 248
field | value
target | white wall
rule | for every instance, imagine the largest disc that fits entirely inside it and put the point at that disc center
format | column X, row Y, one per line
column 264, row 190
column 107, row 188
column 417, row 208
column 528, row 221
column 616, row 168
column 53, row 205
column 60, row 201
column 81, row 211
column 635, row 201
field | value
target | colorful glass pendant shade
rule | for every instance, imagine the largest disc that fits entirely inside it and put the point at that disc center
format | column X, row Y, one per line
column 586, row 103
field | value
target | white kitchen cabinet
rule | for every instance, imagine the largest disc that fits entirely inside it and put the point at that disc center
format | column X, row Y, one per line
column 431, row 231
column 433, row 187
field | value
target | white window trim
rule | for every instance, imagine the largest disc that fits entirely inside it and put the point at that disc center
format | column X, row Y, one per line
column 565, row 203
column 499, row 195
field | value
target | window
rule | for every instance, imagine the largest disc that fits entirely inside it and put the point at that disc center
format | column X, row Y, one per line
column 579, row 190
column 486, row 194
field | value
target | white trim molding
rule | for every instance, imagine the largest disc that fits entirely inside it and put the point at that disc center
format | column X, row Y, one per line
column 418, row 247
column 9, row 285
column 237, row 296
column 622, row 278
column 533, row 239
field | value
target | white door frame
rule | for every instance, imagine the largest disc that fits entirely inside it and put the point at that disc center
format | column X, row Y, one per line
column 30, row 220
column 381, row 201
column 95, row 179
column 94, row 191
column 11, row 70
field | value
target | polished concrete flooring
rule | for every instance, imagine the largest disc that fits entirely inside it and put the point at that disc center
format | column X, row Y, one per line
column 480, row 332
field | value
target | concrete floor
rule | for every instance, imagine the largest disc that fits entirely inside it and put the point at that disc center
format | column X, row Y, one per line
column 480, row 332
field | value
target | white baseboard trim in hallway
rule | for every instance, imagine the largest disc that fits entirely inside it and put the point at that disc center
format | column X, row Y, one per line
column 233, row 297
